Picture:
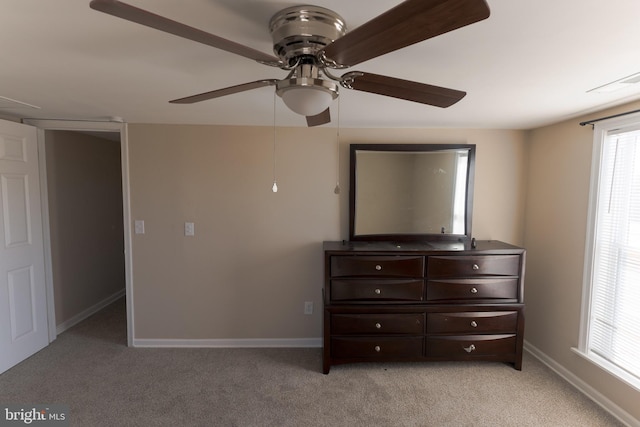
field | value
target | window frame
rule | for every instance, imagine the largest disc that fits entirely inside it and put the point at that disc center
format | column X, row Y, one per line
column 601, row 129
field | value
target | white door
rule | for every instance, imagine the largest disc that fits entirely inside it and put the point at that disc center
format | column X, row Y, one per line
column 23, row 305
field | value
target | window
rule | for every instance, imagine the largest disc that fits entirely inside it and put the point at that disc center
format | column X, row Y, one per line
column 610, row 334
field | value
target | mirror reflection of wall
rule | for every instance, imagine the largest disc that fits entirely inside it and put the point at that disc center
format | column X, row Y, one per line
column 411, row 192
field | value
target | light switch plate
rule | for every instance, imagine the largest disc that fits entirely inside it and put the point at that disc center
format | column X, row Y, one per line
column 139, row 226
column 189, row 229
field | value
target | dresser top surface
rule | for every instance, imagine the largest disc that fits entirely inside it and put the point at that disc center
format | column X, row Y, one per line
column 427, row 248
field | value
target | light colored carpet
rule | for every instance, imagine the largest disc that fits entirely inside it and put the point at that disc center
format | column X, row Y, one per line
column 106, row 383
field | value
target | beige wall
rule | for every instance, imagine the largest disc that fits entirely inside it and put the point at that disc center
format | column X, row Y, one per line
column 85, row 214
column 555, row 232
column 257, row 256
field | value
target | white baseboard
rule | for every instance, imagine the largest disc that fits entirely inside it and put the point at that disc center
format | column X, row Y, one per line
column 88, row 312
column 231, row 343
column 583, row 387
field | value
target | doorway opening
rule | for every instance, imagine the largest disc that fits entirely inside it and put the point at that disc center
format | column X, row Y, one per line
column 86, row 217
column 86, row 229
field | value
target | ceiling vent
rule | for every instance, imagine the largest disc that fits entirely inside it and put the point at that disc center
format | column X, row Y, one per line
column 12, row 104
column 622, row 83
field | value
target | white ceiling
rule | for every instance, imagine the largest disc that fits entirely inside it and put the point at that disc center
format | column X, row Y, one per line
column 531, row 63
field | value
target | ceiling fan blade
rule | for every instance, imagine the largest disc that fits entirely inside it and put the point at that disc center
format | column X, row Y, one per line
column 222, row 92
column 140, row 16
column 410, row 22
column 319, row 119
column 402, row 89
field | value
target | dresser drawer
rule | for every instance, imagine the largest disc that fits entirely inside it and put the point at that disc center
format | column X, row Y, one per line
column 377, row 266
column 476, row 322
column 377, row 347
column 472, row 289
column 365, row 324
column 470, row 345
column 477, row 265
column 377, row 290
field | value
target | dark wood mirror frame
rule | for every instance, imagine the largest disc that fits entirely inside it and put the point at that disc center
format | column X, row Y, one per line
column 412, row 236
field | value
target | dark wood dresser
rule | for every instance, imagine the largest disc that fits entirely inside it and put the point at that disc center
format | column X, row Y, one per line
column 423, row 302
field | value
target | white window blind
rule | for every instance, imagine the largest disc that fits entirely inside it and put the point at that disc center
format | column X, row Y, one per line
column 614, row 322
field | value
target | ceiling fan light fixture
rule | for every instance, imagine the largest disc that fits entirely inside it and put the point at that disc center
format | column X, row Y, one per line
column 307, row 97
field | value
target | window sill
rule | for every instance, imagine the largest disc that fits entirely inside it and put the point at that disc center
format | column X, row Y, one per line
column 619, row 373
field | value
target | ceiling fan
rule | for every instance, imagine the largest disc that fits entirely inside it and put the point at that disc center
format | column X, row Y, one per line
column 309, row 41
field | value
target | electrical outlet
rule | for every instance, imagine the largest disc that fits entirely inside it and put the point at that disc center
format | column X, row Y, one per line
column 308, row 307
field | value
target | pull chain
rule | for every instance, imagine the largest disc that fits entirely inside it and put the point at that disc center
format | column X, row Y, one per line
column 274, row 187
column 337, row 189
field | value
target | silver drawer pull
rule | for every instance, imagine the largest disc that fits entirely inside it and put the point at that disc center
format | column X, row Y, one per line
column 377, row 349
column 378, row 267
column 377, row 291
column 474, row 324
column 476, row 267
column 469, row 349
column 378, row 326
column 474, row 290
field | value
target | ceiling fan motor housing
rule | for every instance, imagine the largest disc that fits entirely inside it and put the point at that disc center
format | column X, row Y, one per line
column 300, row 31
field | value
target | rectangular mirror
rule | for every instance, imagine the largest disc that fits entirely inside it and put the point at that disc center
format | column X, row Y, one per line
column 411, row 192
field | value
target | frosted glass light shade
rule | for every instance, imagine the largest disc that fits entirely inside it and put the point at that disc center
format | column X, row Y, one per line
column 307, row 100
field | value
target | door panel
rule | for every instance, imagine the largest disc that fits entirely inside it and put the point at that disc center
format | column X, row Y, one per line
column 23, row 307
column 15, row 209
column 21, row 302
